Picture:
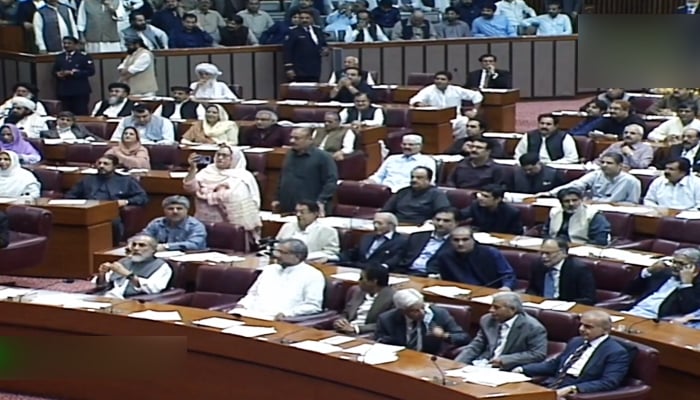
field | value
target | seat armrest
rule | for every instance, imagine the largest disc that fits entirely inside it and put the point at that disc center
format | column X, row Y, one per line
column 161, row 297
column 620, row 303
column 306, row 319
column 224, row 307
column 623, row 393
column 644, row 245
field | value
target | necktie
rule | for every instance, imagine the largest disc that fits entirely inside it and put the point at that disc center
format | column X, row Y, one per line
column 571, row 361
column 378, row 241
column 549, row 284
column 485, row 76
column 497, row 350
column 412, row 342
column 311, row 32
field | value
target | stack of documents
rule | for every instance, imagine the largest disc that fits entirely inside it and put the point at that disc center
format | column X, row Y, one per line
column 67, row 202
column 547, row 202
column 503, row 135
column 258, row 150
column 250, row 331
column 218, row 323
column 7, row 292
column 514, row 197
column 447, row 291
column 61, row 169
column 254, row 102
column 211, row 256
column 337, row 340
column 347, row 223
column 244, row 312
column 505, row 161
column 486, row 376
column 483, row 299
column 178, row 174
column 486, row 238
column 316, row 347
column 355, row 277
column 556, row 305
column 158, row 315
column 526, row 242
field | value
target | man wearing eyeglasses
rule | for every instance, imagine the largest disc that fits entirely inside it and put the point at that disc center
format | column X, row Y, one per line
column 669, row 287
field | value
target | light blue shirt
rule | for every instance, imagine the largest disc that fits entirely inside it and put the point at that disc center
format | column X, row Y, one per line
column 498, row 26
column 395, row 171
column 649, row 307
column 427, row 253
column 190, row 234
column 548, row 26
column 684, row 195
column 622, row 188
column 337, row 21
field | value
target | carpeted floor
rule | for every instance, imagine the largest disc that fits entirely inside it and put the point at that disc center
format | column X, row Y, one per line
column 526, row 112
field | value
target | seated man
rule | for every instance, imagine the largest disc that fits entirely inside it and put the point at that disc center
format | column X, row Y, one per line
column 417, row 203
column 376, row 247
column 151, row 128
column 465, row 130
column 265, row 132
column 575, row 221
column 621, row 115
column 677, row 189
column 490, row 214
column 442, row 94
column 137, row 273
column 609, row 184
column 670, row 103
column 421, row 247
column 4, row 230
column 534, row 177
column 24, row 117
column 107, row 185
column 363, row 113
column 552, row 145
column 477, row 169
column 350, row 85
column 117, row 104
column 672, row 129
column 350, row 62
column 181, row 107
column 688, row 148
column 418, row 326
column 594, row 116
column 592, row 362
column 395, row 171
column 635, row 153
column 287, row 289
column 177, row 230
column 508, row 337
column 321, row 241
column 374, row 298
column 669, row 287
column 472, row 263
column 337, row 140
column 560, row 277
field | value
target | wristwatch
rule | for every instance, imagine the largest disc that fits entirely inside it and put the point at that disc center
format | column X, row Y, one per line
column 131, row 276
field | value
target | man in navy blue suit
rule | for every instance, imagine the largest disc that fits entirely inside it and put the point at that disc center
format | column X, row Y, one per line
column 72, row 69
column 302, row 49
column 376, row 247
column 592, row 362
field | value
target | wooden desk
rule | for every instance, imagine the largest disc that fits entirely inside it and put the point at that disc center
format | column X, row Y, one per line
column 78, row 231
column 219, row 366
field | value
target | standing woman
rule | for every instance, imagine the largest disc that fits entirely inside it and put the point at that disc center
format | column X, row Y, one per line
column 216, row 128
column 11, row 139
column 16, row 181
column 130, row 152
column 225, row 191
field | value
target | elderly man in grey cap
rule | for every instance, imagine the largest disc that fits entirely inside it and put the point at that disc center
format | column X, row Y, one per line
column 23, row 114
column 419, row 326
column 177, row 230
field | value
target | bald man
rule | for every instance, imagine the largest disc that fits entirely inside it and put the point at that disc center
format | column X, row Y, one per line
column 418, row 326
column 378, row 246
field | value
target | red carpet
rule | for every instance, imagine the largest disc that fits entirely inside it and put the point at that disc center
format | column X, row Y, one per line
column 526, row 112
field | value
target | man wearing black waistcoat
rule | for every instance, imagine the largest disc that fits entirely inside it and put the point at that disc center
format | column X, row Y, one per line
column 181, row 107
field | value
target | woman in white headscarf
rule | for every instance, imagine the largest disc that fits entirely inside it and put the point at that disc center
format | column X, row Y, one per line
column 208, row 87
column 216, row 128
column 16, row 181
column 225, row 191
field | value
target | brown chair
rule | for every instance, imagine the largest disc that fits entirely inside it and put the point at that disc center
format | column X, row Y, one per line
column 641, row 103
column 53, row 107
column 30, row 229
column 621, row 226
column 522, row 262
column 310, row 93
column 84, row 154
column 309, row 114
column 462, row 315
column 561, row 327
column 460, row 198
column 585, row 147
column 611, row 279
column 98, row 128
column 246, row 112
column 352, row 166
column 672, row 234
column 163, row 157
column 333, row 304
column 224, row 236
column 217, row 287
column 527, row 214
column 360, row 200
column 420, row 79
column 51, row 182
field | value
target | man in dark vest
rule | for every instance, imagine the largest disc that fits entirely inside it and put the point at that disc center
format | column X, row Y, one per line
column 236, row 34
column 552, row 145
column 303, row 48
column 363, row 114
column 139, row 273
column 534, row 177
column 117, row 104
column 351, row 62
column 181, row 107
column 72, row 69
column 337, row 140
column 415, row 28
column 48, row 30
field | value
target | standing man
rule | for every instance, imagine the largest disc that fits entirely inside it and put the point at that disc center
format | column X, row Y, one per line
column 138, row 68
column 308, row 173
column 72, row 69
column 489, row 77
column 303, row 47
column 154, row 38
column 97, row 25
column 255, row 19
column 443, row 94
column 53, row 21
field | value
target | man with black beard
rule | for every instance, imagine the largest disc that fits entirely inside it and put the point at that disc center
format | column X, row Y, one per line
column 138, row 68
column 117, row 104
column 106, row 185
column 153, row 38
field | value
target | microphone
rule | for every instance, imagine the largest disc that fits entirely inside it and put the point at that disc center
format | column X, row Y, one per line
column 267, row 244
column 631, row 331
column 440, row 370
column 500, row 278
column 40, row 288
column 284, row 340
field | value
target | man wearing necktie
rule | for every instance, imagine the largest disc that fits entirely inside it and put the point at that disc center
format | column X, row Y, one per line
column 378, row 246
column 489, row 77
column 592, row 362
column 72, row 69
column 303, row 48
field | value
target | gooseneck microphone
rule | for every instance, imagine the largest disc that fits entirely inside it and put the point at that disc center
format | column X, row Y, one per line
column 440, row 370
column 631, row 331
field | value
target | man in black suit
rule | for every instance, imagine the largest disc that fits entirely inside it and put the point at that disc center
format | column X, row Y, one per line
column 421, row 247
column 376, row 247
column 418, row 326
column 488, row 77
column 490, row 214
column 302, row 48
column 4, row 230
column 72, row 69
column 372, row 296
column 669, row 287
column 689, row 148
column 557, row 276
column 532, row 176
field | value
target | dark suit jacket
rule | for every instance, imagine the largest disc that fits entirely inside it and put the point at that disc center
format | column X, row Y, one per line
column 355, row 257
column 409, row 252
column 118, row 187
column 4, row 230
column 604, row 371
column 77, row 84
column 384, row 301
column 680, row 302
column 548, row 179
column 526, row 342
column 391, row 329
column 684, row 10
column 502, row 81
column 301, row 54
column 576, row 282
column 675, row 151
column 506, row 218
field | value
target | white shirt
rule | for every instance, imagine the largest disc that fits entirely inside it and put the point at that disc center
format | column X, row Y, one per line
column 333, row 79
column 201, row 111
column 503, row 335
column 377, row 118
column 212, row 91
column 292, row 291
column 548, row 26
column 63, row 29
column 168, row 132
column 684, row 195
column 156, row 283
column 577, row 367
column 672, row 127
column 109, row 112
column 66, row 134
column 140, row 64
column 31, row 125
column 515, row 11
column 395, row 171
column 348, row 141
column 363, row 310
column 568, row 145
column 322, row 240
column 451, row 97
column 351, row 35
column 690, row 154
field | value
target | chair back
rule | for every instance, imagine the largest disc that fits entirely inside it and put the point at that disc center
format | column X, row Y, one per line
column 334, row 295
column 51, row 182
column 222, row 235
column 420, row 79
column 29, row 220
column 645, row 364
column 360, row 200
column 561, row 327
column 227, row 280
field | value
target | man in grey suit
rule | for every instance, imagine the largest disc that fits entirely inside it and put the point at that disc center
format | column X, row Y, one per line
column 509, row 337
column 372, row 296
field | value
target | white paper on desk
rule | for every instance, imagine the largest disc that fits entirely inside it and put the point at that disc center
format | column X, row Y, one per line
column 622, row 209
column 258, row 150
column 385, row 86
column 647, row 172
column 67, row 169
column 515, row 197
column 52, row 299
column 556, row 305
column 273, row 217
column 503, row 135
column 373, row 347
column 447, row 291
column 337, row 340
column 90, row 305
column 168, row 254
column 307, row 84
column 571, row 113
column 688, row 215
column 178, row 174
column 428, row 108
column 630, row 257
column 89, row 171
column 204, row 147
column 572, row 167
column 505, row 161
column 483, row 299
column 119, row 251
column 212, row 256
column 547, row 202
column 347, row 223
column 397, row 280
column 487, row 376
column 293, row 102
column 494, row 90
column 307, row 125
column 7, row 200
column 526, row 242
column 158, row 315
column 6, row 293
column 486, row 238
column 616, row 318
column 254, row 102
column 244, row 312
column 250, row 331
column 347, row 276
column 409, row 229
column 53, row 141
column 656, row 117
column 218, row 323
column 376, row 358
column 316, row 347
column 114, row 120
column 448, row 158
column 67, row 202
